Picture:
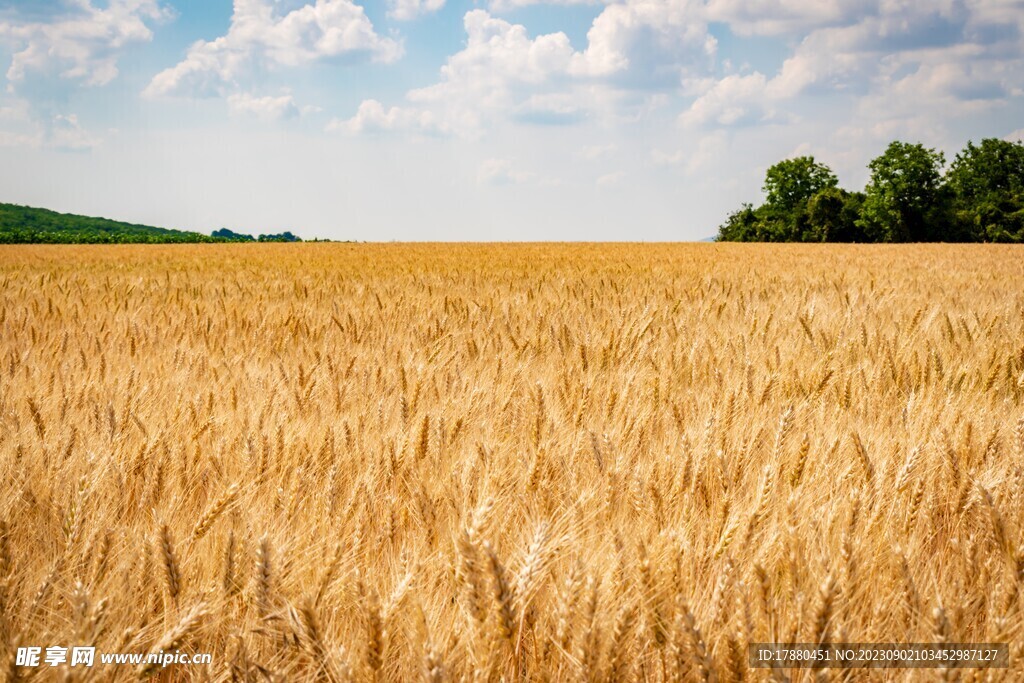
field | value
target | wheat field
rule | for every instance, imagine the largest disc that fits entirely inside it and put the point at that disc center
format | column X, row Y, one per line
column 508, row 462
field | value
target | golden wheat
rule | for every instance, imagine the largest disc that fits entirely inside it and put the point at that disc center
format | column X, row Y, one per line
column 530, row 462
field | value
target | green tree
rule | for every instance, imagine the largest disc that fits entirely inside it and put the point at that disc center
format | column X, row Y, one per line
column 790, row 184
column 285, row 236
column 906, row 200
column 832, row 216
column 788, row 187
column 231, row 236
column 987, row 183
column 740, row 226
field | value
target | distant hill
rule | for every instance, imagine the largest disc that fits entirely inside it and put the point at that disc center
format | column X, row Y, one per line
column 231, row 236
column 25, row 224
column 28, row 225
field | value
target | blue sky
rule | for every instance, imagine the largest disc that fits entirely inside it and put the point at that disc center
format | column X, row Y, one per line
column 480, row 120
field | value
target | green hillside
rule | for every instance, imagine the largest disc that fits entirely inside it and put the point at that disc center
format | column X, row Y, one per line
column 25, row 224
column 28, row 225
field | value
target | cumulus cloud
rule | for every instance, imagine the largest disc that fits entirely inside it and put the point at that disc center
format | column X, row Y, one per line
column 650, row 40
column 500, row 69
column 503, row 72
column 62, row 132
column 893, row 59
column 373, row 117
column 962, row 87
column 267, row 108
column 780, row 17
column 509, row 5
column 66, row 133
column 261, row 38
column 497, row 52
column 641, row 41
column 81, row 44
column 967, row 50
column 550, row 109
column 736, row 100
column 406, row 10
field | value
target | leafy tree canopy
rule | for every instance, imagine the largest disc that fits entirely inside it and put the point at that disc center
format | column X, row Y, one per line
column 904, row 194
column 993, row 169
column 285, row 236
column 832, row 215
column 987, row 183
column 908, row 199
column 792, row 182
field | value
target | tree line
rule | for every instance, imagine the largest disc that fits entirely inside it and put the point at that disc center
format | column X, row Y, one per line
column 227, row 235
column 911, row 197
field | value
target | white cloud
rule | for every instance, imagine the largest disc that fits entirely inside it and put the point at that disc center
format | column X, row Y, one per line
column 733, row 100
column 895, row 40
column 778, row 17
column 551, row 108
column 647, row 40
column 82, row 45
column 959, row 86
column 498, row 72
column 896, row 61
column 501, row 172
column 67, row 134
column 504, row 73
column 498, row 51
column 509, row 5
column 1015, row 136
column 406, row 10
column 268, row 108
column 62, row 132
column 258, row 37
column 652, row 40
column 372, row 117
